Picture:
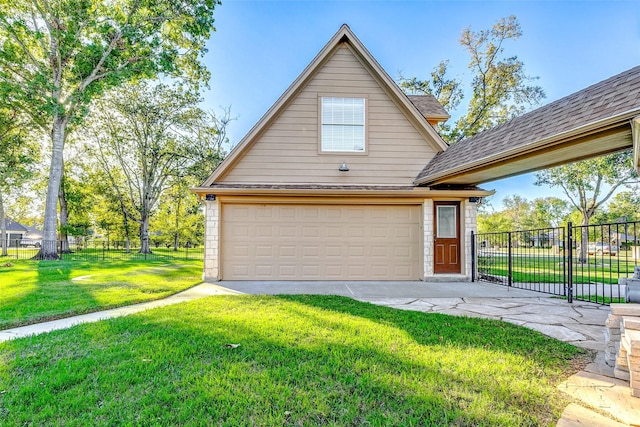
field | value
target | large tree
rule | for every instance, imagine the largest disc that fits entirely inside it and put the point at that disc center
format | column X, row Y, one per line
column 146, row 136
column 500, row 87
column 57, row 56
column 588, row 184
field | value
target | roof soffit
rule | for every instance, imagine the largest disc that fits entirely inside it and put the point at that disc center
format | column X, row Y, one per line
column 344, row 35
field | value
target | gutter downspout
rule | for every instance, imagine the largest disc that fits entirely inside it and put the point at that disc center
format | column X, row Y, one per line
column 635, row 134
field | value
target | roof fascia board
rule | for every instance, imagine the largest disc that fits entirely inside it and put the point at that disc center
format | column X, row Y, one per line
column 366, row 58
column 421, row 192
column 534, row 146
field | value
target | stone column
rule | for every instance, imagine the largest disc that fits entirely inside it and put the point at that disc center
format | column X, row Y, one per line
column 427, row 226
column 470, row 224
column 212, row 241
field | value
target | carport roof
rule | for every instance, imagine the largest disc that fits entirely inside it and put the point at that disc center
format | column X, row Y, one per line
column 598, row 115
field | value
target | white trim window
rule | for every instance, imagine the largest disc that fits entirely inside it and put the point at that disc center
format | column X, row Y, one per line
column 343, row 124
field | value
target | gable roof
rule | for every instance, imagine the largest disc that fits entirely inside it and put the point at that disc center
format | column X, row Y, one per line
column 429, row 107
column 15, row 226
column 602, row 107
column 344, row 35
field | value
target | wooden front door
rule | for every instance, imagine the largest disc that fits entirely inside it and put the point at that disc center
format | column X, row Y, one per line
column 447, row 237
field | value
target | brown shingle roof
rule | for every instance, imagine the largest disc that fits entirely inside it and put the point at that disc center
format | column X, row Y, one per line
column 429, row 106
column 609, row 98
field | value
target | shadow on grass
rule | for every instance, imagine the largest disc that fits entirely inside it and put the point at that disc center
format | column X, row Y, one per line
column 436, row 328
column 40, row 295
column 302, row 360
column 36, row 291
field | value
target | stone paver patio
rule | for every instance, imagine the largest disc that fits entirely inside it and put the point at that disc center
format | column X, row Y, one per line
column 581, row 324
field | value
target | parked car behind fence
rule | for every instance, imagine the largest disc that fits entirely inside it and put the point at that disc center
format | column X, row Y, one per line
column 601, row 248
column 30, row 242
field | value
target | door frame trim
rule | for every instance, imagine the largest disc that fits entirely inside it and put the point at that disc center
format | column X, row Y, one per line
column 458, row 205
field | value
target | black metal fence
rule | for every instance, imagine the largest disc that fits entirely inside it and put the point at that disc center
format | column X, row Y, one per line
column 95, row 250
column 577, row 262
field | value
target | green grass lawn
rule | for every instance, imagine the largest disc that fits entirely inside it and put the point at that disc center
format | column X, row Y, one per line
column 301, row 361
column 531, row 266
column 34, row 291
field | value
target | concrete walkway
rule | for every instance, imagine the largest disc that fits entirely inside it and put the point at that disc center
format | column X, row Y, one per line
column 199, row 291
column 604, row 401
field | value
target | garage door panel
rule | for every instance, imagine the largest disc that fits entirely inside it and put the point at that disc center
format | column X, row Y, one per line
column 315, row 242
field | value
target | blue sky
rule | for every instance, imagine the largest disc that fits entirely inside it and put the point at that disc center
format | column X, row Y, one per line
column 261, row 46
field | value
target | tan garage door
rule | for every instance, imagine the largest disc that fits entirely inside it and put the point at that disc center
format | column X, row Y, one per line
column 320, row 242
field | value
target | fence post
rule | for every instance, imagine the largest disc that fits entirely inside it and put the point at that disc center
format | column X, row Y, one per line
column 569, row 249
column 509, row 260
column 473, row 256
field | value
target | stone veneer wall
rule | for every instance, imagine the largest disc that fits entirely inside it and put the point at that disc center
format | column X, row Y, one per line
column 212, row 241
column 428, row 230
column 470, row 224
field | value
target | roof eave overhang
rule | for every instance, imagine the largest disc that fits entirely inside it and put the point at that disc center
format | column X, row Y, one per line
column 415, row 192
column 537, row 146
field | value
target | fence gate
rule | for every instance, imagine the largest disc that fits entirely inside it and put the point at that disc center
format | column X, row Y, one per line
column 575, row 262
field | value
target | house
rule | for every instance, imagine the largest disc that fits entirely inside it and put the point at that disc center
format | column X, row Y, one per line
column 322, row 187
column 15, row 232
column 344, row 178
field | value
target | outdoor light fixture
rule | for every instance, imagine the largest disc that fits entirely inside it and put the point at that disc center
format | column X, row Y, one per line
column 475, row 199
column 343, row 167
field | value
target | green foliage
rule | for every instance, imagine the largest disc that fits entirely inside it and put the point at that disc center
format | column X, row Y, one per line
column 18, row 151
column 518, row 213
column 623, row 207
column 153, row 141
column 301, row 361
column 58, row 56
column 81, row 200
column 17, row 157
column 500, row 87
column 448, row 91
column 179, row 219
column 588, row 184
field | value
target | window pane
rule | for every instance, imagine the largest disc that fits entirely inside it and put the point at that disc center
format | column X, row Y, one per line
column 446, row 222
column 343, row 124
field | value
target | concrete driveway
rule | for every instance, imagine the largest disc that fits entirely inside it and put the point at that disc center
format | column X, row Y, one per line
column 372, row 289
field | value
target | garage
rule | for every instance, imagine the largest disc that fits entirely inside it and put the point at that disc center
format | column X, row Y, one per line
column 320, row 242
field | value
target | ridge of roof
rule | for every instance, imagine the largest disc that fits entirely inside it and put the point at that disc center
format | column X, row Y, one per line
column 616, row 95
column 343, row 35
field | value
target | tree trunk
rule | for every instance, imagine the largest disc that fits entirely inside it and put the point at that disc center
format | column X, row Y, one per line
column 64, row 218
column 144, row 234
column 49, row 248
column 176, row 236
column 3, row 228
column 584, row 240
column 125, row 223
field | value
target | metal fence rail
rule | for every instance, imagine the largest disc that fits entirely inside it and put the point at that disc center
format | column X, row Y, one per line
column 525, row 259
column 106, row 251
column 576, row 262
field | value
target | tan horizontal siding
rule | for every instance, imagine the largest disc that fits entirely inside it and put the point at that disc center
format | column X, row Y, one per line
column 287, row 152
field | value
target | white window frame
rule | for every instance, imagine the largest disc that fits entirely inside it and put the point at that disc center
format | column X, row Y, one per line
column 322, row 130
column 452, row 232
